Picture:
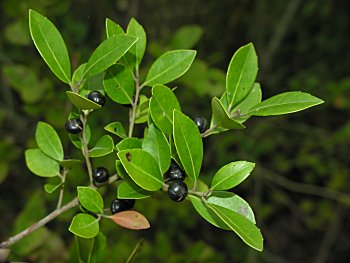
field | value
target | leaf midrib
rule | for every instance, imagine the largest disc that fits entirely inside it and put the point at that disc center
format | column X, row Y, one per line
column 256, row 109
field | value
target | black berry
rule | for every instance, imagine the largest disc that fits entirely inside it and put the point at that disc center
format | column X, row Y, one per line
column 100, row 175
column 201, row 123
column 177, row 191
column 177, row 174
column 97, row 97
column 119, row 205
column 74, row 126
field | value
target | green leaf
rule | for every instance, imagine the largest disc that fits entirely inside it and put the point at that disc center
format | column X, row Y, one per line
column 142, row 168
column 121, row 170
column 90, row 199
column 81, row 102
column 284, row 103
column 186, row 37
column 98, row 251
column 119, row 84
column 188, row 143
column 221, row 117
column 162, row 105
column 107, row 53
column 113, row 29
column 129, row 143
column 41, row 164
column 170, row 66
column 138, row 50
column 70, row 163
column 142, row 110
column 242, row 226
column 78, row 75
column 84, row 225
column 131, row 220
column 253, row 98
column 116, row 128
column 129, row 190
column 233, row 202
column 156, row 144
column 50, row 188
column 103, row 147
column 50, row 45
column 48, row 141
column 241, row 74
column 231, row 174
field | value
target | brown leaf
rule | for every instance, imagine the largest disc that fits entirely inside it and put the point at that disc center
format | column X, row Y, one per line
column 131, row 219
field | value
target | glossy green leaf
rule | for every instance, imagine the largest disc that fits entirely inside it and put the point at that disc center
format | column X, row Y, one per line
column 48, row 141
column 221, row 117
column 186, row 37
column 40, row 164
column 233, row 202
column 129, row 143
column 162, row 105
column 129, row 190
column 253, row 98
column 81, row 102
column 241, row 74
column 78, row 75
column 138, row 50
column 284, row 103
column 50, row 188
column 70, row 163
column 231, row 174
column 104, row 146
column 242, row 226
column 142, row 110
column 119, row 84
column 50, row 45
column 188, row 143
column 121, row 170
column 142, row 168
column 107, row 53
column 84, row 225
column 157, row 145
column 170, row 66
column 90, row 199
column 116, row 128
column 131, row 220
column 113, row 29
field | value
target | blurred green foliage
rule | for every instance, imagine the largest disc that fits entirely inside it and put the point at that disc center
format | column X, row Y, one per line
column 308, row 52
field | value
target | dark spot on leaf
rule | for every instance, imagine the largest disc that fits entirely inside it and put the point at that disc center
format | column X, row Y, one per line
column 128, row 156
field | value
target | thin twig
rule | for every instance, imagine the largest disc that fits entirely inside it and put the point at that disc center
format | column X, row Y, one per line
column 134, row 103
column 136, row 251
column 85, row 149
column 39, row 224
column 63, row 178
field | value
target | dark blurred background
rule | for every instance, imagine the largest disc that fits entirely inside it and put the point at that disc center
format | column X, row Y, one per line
column 300, row 187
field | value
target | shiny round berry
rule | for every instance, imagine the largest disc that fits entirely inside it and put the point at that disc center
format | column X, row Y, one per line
column 201, row 123
column 74, row 126
column 97, row 97
column 129, row 203
column 177, row 191
column 100, row 175
column 117, row 206
column 177, row 174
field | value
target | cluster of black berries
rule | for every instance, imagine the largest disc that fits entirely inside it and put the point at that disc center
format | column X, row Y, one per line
column 177, row 190
column 75, row 125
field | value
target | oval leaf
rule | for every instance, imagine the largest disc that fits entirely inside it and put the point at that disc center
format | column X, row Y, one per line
column 70, row 163
column 138, row 50
column 170, row 66
column 116, row 128
column 188, row 143
column 81, row 102
column 50, row 45
column 284, row 103
column 107, row 53
column 84, row 225
column 242, row 226
column 129, row 143
column 129, row 190
column 90, row 199
column 48, row 141
column 131, row 220
column 50, row 188
column 142, row 168
column 41, row 164
column 113, row 29
column 119, row 84
column 103, row 147
column 241, row 74
column 231, row 174
column 162, row 105
column 221, row 118
column 157, row 145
